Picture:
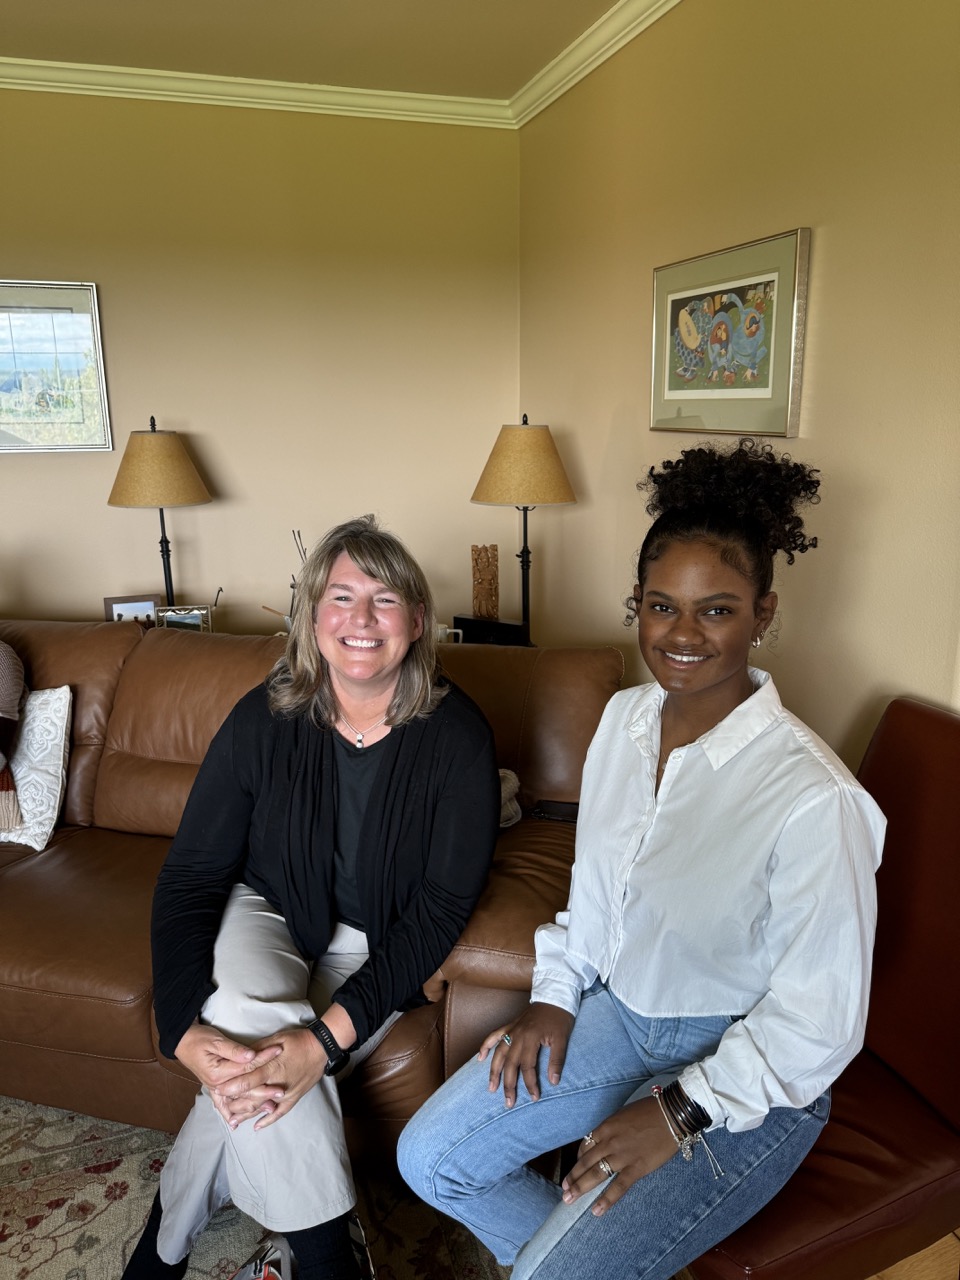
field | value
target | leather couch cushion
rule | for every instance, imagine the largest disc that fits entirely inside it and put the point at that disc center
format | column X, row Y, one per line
column 75, row 944
column 176, row 691
column 543, row 706
column 875, row 1179
column 88, row 656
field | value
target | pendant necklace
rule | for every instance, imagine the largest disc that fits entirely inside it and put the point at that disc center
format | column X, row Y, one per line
column 361, row 734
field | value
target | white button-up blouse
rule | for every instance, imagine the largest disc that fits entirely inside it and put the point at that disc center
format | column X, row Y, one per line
column 745, row 887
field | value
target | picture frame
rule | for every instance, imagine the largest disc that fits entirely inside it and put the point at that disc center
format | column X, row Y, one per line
column 728, row 330
column 187, row 617
column 141, row 608
column 53, row 390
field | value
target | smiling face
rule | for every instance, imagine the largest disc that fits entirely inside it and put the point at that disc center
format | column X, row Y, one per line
column 697, row 618
column 363, row 630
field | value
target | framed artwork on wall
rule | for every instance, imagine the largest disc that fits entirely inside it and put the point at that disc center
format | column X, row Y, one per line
column 728, row 339
column 188, row 617
column 140, row 608
column 53, row 392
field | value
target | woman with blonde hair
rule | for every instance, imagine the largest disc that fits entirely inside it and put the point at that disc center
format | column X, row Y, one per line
column 337, row 837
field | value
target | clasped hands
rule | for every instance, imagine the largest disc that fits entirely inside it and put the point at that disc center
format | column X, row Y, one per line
column 263, row 1080
column 631, row 1143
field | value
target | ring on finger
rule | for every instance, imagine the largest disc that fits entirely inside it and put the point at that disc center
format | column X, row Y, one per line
column 589, row 1139
column 507, row 1039
column 605, row 1169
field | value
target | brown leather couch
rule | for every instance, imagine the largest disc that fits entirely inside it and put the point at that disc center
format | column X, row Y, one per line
column 883, row 1179
column 76, row 1027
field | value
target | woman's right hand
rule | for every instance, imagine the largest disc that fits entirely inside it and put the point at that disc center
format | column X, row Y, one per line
column 539, row 1026
column 214, row 1058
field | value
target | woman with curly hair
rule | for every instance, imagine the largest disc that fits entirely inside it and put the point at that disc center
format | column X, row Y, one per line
column 709, row 978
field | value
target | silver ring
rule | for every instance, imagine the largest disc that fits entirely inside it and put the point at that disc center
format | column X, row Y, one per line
column 506, row 1039
column 605, row 1169
column 589, row 1138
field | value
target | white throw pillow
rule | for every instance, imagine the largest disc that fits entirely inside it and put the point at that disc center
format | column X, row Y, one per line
column 39, row 764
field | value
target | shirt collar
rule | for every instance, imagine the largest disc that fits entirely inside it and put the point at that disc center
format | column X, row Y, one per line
column 723, row 741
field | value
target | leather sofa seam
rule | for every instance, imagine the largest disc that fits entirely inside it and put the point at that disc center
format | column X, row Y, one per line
column 491, row 950
column 153, row 759
column 65, row 995
column 77, row 1053
column 412, row 1056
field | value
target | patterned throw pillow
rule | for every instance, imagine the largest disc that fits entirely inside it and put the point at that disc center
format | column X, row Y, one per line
column 510, row 811
column 39, row 765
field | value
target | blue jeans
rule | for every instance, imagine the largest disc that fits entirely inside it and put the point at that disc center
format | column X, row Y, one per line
column 466, row 1154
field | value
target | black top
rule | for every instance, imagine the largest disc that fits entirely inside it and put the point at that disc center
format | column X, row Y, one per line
column 356, row 770
column 262, row 812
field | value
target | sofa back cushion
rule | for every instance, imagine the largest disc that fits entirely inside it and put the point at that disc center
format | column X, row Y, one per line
column 176, row 690
column 543, row 705
column 89, row 657
column 911, row 770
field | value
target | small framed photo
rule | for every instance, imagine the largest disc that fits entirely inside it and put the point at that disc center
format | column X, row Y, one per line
column 187, row 617
column 140, row 608
column 728, row 333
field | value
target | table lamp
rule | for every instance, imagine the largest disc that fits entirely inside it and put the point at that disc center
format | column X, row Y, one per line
column 524, row 470
column 156, row 471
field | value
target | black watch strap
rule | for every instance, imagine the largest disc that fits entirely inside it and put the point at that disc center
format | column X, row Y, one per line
column 337, row 1058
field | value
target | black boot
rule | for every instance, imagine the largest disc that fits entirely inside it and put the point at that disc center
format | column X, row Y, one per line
column 145, row 1263
column 325, row 1252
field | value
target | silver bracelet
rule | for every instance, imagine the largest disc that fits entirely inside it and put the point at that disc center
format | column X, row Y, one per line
column 686, row 1141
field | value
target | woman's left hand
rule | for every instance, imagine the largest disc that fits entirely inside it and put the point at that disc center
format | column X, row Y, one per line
column 634, row 1141
column 276, row 1087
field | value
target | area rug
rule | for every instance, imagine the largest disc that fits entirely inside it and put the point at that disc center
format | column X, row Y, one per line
column 74, row 1194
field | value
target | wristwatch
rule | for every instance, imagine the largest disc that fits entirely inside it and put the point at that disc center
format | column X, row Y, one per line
column 337, row 1058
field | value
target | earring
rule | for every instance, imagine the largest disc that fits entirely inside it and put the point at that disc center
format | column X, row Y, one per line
column 756, row 643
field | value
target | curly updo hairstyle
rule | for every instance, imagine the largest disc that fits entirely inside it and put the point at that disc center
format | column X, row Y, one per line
column 741, row 500
column 300, row 681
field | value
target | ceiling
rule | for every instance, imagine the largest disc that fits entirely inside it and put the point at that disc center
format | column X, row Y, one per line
column 489, row 50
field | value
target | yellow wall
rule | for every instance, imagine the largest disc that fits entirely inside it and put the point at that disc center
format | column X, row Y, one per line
column 328, row 309
column 721, row 124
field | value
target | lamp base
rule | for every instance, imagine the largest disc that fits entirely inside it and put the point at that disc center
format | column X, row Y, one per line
column 491, row 630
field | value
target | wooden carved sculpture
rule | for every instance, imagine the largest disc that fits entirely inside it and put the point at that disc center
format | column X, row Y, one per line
column 486, row 582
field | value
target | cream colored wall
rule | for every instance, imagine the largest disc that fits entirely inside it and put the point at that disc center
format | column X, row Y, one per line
column 721, row 124
column 325, row 307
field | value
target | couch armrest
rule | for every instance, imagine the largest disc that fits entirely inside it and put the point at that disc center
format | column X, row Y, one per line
column 529, row 883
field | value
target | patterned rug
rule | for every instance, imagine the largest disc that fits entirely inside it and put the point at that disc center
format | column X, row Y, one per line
column 74, row 1194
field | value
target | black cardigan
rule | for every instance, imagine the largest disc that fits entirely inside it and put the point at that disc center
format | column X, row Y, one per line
column 261, row 813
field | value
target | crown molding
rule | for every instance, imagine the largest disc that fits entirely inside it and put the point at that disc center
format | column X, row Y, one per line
column 615, row 29
column 264, row 95
column 598, row 43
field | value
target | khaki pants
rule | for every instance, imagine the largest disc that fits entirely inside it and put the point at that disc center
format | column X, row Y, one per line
column 295, row 1173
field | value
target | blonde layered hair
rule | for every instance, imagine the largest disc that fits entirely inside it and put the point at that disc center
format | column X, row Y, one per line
column 300, row 682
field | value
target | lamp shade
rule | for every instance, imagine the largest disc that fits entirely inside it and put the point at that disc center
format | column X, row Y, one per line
column 156, row 471
column 523, row 470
